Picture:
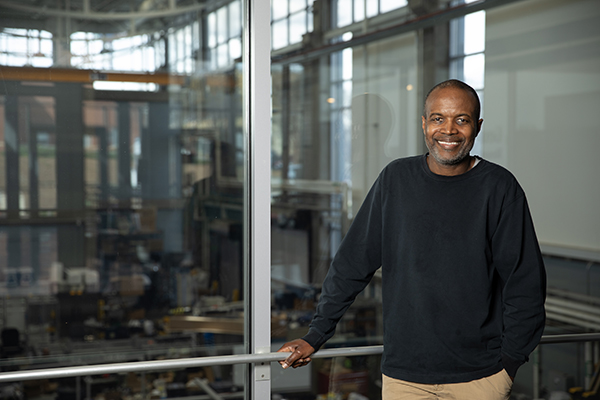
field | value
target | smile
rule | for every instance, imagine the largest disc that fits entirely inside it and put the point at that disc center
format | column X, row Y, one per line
column 447, row 144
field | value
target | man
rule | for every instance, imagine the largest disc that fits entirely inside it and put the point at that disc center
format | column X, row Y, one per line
column 463, row 277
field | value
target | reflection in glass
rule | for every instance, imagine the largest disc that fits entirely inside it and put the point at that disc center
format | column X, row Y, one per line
column 235, row 18
column 344, row 12
column 359, row 10
column 221, row 24
column 474, row 67
column 279, row 9
column 222, row 55
column 346, row 98
column 145, row 385
column 212, row 29
column 372, row 8
column 389, row 5
column 297, row 27
column 347, row 64
column 331, row 378
column 235, row 48
column 330, row 138
column 339, row 116
column 121, row 198
column 280, row 34
column 297, row 5
column 474, row 32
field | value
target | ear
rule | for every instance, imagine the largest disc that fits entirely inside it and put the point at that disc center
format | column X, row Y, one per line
column 479, row 124
column 424, row 122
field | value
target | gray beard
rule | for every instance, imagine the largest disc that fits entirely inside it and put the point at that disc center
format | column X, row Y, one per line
column 453, row 161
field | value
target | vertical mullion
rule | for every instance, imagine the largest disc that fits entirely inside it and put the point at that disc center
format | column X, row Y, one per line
column 257, row 119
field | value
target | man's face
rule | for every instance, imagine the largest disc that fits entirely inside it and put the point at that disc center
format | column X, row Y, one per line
column 450, row 129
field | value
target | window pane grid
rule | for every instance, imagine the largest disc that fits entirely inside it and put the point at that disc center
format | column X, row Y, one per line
column 19, row 47
column 290, row 20
column 353, row 11
column 224, row 46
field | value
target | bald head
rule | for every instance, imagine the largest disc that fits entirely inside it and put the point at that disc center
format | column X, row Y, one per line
column 455, row 83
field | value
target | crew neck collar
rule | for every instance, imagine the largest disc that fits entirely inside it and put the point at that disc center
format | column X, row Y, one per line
column 474, row 170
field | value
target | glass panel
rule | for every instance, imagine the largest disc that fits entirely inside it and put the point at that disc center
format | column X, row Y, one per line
column 280, row 34
column 333, row 131
column 2, row 157
column 46, row 164
column 297, row 27
column 474, row 70
column 331, row 378
column 280, row 9
column 344, row 12
column 122, row 212
column 212, row 30
column 297, row 5
column 222, row 25
column 156, row 384
column 347, row 64
column 213, row 59
column 340, row 116
column 372, row 8
column 474, row 32
column 222, row 55
column 235, row 19
column 389, row 5
column 346, row 99
column 359, row 10
column 235, row 48
column 541, row 88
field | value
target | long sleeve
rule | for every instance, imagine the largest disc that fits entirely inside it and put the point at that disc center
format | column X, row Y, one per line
column 355, row 262
column 463, row 280
column 518, row 260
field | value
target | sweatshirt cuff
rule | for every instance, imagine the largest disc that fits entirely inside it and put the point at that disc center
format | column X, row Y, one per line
column 314, row 339
column 510, row 365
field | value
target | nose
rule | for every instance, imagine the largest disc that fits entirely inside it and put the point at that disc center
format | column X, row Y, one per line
column 449, row 127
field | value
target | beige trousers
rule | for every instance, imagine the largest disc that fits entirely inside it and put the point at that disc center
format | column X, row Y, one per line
column 495, row 387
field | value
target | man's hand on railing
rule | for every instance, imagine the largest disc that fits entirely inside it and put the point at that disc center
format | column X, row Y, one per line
column 300, row 356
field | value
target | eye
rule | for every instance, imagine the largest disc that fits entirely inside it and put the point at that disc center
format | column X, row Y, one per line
column 436, row 119
column 462, row 121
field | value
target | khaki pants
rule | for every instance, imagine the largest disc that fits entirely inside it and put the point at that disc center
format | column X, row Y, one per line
column 495, row 387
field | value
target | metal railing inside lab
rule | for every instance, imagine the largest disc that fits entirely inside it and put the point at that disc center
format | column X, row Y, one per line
column 181, row 363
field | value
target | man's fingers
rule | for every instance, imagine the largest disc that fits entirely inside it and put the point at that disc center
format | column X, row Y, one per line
column 294, row 360
column 300, row 356
column 301, row 362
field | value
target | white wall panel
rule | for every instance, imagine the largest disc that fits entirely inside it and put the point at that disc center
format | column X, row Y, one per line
column 542, row 98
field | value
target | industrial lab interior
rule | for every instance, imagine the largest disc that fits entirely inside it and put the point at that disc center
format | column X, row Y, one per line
column 131, row 168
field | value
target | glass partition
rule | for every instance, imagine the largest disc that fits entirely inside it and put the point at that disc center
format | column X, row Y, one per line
column 348, row 99
column 122, row 207
column 330, row 379
column 126, row 385
column 338, row 118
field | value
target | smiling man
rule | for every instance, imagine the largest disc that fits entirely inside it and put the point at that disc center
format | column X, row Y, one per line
column 463, row 278
column 450, row 124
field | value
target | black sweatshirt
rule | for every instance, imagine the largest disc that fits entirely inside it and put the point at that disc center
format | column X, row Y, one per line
column 462, row 274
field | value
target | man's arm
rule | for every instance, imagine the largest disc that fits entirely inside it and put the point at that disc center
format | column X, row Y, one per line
column 355, row 262
column 518, row 260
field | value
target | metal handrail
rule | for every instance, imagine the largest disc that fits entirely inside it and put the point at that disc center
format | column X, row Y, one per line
column 180, row 363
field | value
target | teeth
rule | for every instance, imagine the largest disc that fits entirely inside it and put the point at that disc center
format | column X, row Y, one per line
column 448, row 142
